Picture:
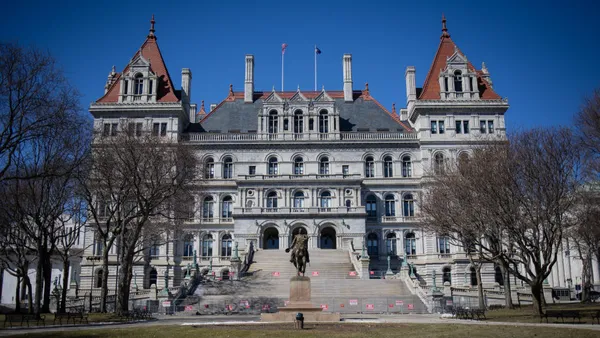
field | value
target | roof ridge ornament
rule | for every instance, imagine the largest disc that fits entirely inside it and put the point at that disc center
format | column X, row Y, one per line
column 445, row 33
column 394, row 108
column 152, row 30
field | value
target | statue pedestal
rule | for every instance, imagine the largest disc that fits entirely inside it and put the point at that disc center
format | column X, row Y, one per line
column 300, row 302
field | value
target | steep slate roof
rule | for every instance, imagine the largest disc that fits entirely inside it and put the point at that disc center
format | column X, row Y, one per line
column 364, row 113
column 150, row 51
column 447, row 47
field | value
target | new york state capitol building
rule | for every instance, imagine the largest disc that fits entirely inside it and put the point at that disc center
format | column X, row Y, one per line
column 334, row 164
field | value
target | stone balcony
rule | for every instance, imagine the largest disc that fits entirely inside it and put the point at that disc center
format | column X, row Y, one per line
column 303, row 178
column 358, row 211
column 305, row 137
column 399, row 219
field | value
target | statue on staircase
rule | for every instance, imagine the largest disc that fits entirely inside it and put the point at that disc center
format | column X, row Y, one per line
column 299, row 256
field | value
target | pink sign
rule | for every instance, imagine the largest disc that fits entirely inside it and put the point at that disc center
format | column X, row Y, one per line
column 286, row 302
column 353, row 302
column 244, row 303
column 399, row 303
column 275, row 274
column 315, row 273
column 410, row 306
column 372, row 272
column 391, row 305
column 189, row 308
column 449, row 302
column 324, row 306
column 266, row 307
column 352, row 273
column 370, row 306
column 231, row 273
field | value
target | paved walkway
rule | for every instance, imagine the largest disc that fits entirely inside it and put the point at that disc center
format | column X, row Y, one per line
column 255, row 320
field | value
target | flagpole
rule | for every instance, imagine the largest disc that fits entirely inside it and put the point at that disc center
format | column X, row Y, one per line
column 282, row 55
column 315, row 68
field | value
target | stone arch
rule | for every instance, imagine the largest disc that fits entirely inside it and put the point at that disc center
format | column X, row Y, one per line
column 270, row 237
column 328, row 237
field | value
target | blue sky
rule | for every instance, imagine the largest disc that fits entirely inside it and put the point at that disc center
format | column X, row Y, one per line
column 542, row 57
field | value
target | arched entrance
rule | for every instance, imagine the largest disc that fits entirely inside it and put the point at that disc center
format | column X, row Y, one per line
column 299, row 230
column 328, row 238
column 271, row 239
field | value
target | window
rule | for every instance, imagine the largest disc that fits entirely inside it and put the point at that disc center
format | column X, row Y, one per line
column 226, row 245
column 438, row 165
column 443, row 245
column 473, row 277
column 298, row 166
column 299, row 199
column 285, row 124
column 207, row 245
column 154, row 250
column 226, row 207
column 110, row 129
column 490, row 126
column 458, row 83
column 188, row 246
column 409, row 205
column 150, row 86
column 228, row 168
column 159, row 129
column 323, row 121
column 371, row 207
column 135, row 128
column 208, row 209
column 391, row 244
column 482, row 127
column 163, row 129
column 459, row 127
column 272, row 200
column 139, row 84
column 188, row 209
column 125, row 87
column 273, row 119
column 324, row 165
column 466, row 127
column 498, row 277
column 434, row 127
column 99, row 275
column 345, row 170
column 273, row 166
column 372, row 244
column 410, row 244
column 311, row 125
column 252, row 170
column 390, row 205
column 369, row 167
column 447, row 275
column 441, row 126
column 326, row 200
column 209, row 168
column 103, row 209
column 388, row 165
column 406, row 166
column 98, row 245
column 298, row 122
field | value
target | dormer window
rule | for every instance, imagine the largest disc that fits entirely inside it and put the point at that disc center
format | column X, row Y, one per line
column 273, row 122
column 139, row 84
column 323, row 121
column 458, row 83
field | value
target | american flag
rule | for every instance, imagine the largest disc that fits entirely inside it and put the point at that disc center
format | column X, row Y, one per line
column 283, row 47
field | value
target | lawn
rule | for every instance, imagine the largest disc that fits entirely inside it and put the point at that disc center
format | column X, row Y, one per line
column 526, row 314
column 331, row 330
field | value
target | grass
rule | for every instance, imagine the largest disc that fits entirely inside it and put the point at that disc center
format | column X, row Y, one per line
column 330, row 330
column 526, row 314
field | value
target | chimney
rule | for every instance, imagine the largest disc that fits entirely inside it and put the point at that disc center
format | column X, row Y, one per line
column 186, row 85
column 411, row 86
column 249, row 81
column 348, row 77
column 212, row 107
column 193, row 107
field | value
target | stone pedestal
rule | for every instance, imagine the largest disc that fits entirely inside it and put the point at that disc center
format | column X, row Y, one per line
column 300, row 302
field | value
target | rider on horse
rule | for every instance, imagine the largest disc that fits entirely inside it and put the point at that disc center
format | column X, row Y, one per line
column 299, row 245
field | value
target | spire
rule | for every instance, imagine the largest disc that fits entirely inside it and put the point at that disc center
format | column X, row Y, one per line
column 394, row 108
column 151, row 34
column 445, row 33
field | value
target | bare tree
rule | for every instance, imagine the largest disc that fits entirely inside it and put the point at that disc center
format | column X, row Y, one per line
column 587, row 123
column 135, row 185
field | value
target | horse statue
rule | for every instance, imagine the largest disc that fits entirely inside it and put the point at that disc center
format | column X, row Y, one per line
column 299, row 256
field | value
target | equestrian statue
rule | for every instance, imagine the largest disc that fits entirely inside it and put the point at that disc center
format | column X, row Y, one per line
column 299, row 256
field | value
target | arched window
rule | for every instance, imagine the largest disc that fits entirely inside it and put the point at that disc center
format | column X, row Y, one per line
column 388, row 170
column 473, row 277
column 208, row 208
column 458, row 83
column 369, row 167
column 390, row 205
column 273, row 121
column 272, row 200
column 498, row 277
column 298, row 166
column 298, row 122
column 406, row 166
column 410, row 244
column 463, row 161
column 323, row 121
column 207, row 245
column 226, row 207
column 99, row 275
column 209, row 168
column 154, row 250
column 439, row 165
column 299, row 199
column 273, row 167
column 188, row 245
column 326, row 200
column 227, row 167
column 139, row 84
column 446, row 275
column 371, row 206
column 226, row 244
column 408, row 206
column 324, row 165
column 391, row 244
column 152, row 277
column 372, row 244
column 443, row 245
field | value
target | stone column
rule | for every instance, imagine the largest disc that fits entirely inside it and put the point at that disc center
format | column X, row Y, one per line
column 562, row 279
column 595, row 272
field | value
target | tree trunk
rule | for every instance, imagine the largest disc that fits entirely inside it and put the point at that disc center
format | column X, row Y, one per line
column 104, row 292
column 536, row 293
column 47, row 270
column 507, row 287
column 480, row 287
column 125, row 283
column 39, row 281
column 65, row 281
column 29, row 294
column 18, row 296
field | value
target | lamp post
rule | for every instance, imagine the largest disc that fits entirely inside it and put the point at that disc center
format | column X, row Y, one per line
column 93, row 259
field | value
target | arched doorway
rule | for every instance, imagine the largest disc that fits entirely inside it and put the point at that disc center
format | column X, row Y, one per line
column 152, row 277
column 298, row 230
column 271, row 239
column 373, row 245
column 328, row 240
column 390, row 243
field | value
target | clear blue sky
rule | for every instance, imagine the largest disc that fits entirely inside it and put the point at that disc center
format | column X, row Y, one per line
column 543, row 57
